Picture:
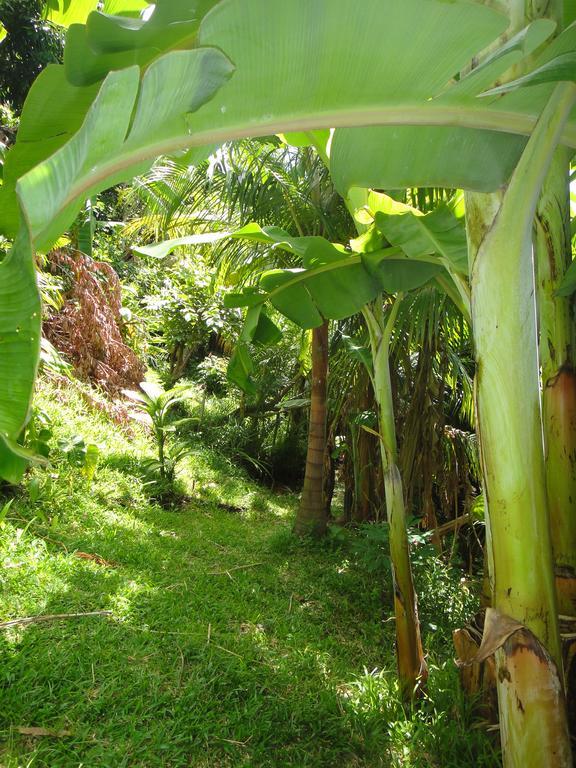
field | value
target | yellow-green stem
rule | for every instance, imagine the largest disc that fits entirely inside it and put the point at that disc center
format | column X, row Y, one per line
column 412, row 670
column 510, row 430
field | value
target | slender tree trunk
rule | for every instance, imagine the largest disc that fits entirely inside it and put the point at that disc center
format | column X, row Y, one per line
column 179, row 361
column 366, row 457
column 412, row 669
column 533, row 724
column 329, row 475
column 554, row 253
column 312, row 518
column 161, row 438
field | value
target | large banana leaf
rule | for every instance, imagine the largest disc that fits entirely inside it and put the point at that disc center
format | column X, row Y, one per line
column 334, row 282
column 333, row 285
column 334, row 295
column 275, row 88
column 456, row 156
column 19, row 350
column 297, row 66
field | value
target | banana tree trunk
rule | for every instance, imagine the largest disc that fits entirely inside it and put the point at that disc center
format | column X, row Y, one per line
column 533, row 723
column 312, row 517
column 412, row 669
column 553, row 254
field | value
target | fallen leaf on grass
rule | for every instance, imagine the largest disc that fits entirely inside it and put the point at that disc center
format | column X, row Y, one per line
column 96, row 559
column 171, row 534
column 50, row 617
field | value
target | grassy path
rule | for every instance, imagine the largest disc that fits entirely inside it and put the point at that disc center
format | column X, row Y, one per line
column 229, row 644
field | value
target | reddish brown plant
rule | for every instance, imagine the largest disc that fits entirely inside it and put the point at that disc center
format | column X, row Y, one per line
column 87, row 330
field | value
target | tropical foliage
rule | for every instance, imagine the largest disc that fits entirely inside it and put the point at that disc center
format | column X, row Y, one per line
column 412, row 95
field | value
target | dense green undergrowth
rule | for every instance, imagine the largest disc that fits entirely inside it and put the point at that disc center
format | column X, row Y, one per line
column 228, row 644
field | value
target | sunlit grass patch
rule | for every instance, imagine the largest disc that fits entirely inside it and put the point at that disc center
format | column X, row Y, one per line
column 230, row 642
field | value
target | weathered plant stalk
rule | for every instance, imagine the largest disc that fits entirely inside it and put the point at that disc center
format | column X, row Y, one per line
column 523, row 666
column 412, row 669
column 552, row 243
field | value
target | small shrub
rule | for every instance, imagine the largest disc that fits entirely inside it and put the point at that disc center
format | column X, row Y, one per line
column 446, row 597
column 158, row 404
column 211, row 374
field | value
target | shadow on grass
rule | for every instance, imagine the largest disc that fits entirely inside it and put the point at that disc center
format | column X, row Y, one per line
column 220, row 652
column 215, row 483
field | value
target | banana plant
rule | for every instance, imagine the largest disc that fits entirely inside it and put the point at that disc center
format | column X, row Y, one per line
column 510, row 428
column 193, row 74
column 509, row 418
column 525, row 493
column 325, row 278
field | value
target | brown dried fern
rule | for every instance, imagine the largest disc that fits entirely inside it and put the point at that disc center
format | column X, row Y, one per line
column 87, row 330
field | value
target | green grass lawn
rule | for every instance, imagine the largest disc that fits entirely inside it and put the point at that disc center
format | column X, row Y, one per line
column 229, row 643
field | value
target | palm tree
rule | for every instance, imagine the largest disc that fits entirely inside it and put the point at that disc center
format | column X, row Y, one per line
column 275, row 185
